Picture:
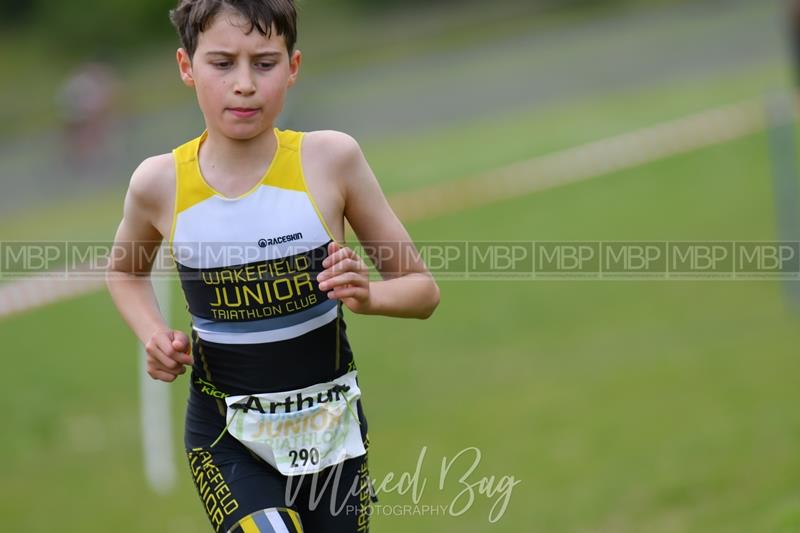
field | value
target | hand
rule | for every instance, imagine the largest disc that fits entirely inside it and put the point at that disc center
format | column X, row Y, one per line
column 167, row 353
column 345, row 278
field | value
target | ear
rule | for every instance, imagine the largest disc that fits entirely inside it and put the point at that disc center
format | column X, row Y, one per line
column 185, row 67
column 294, row 66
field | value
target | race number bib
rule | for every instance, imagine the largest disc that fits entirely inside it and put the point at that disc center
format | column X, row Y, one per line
column 301, row 431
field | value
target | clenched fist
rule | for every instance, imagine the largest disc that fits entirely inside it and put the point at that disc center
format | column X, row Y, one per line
column 168, row 352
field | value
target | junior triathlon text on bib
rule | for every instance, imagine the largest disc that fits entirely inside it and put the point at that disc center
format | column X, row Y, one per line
column 301, row 431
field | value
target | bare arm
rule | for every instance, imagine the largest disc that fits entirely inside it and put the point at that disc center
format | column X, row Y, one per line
column 128, row 277
column 407, row 289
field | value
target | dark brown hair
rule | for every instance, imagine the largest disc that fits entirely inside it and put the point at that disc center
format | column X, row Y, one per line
column 192, row 17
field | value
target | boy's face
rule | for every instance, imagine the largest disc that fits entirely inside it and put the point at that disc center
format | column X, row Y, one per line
column 240, row 78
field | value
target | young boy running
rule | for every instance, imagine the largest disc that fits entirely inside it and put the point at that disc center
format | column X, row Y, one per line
column 275, row 433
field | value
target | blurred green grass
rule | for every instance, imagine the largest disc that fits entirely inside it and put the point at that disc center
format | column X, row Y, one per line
column 621, row 406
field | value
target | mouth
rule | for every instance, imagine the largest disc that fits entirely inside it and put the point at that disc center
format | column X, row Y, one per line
column 243, row 112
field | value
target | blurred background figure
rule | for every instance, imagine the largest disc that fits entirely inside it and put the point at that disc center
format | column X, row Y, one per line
column 86, row 102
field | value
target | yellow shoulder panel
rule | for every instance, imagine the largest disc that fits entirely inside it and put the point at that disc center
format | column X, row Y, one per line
column 286, row 171
column 191, row 187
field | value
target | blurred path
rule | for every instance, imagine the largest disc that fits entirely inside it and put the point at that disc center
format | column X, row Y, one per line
column 589, row 58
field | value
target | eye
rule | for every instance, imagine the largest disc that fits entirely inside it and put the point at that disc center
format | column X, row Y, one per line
column 265, row 66
column 222, row 64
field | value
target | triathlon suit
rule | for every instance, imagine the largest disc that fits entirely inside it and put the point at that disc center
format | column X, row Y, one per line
column 260, row 324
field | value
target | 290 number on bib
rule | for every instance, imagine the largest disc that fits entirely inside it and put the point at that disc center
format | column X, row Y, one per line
column 305, row 455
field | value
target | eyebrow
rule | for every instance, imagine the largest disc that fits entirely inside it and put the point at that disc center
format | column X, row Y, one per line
column 231, row 54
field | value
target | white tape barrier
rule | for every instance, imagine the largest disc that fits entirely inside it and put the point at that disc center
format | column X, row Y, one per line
column 156, row 413
column 584, row 162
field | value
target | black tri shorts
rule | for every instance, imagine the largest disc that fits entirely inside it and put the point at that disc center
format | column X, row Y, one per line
column 242, row 493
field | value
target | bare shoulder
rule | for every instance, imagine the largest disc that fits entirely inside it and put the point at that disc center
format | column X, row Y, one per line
column 152, row 177
column 332, row 147
column 338, row 158
column 151, row 192
column 327, row 161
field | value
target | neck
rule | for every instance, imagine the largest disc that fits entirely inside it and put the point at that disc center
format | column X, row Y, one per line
column 240, row 154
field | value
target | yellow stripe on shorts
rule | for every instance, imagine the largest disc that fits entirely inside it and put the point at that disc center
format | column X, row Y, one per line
column 295, row 520
column 248, row 525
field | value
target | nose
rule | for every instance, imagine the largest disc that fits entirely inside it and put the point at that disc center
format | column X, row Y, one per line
column 243, row 84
